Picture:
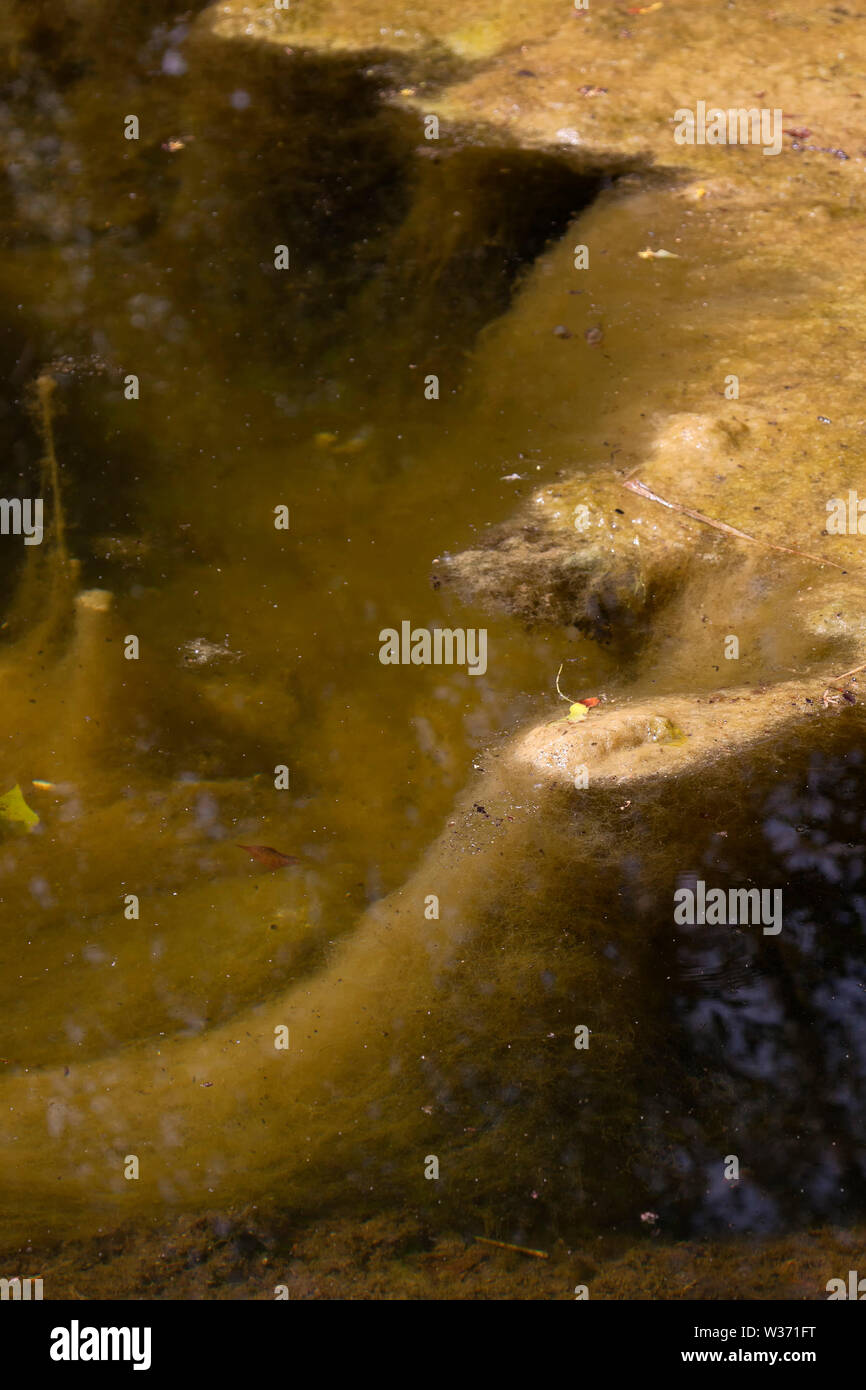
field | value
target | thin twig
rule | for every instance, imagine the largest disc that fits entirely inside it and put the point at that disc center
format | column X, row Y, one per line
column 846, row 674
column 521, row 1249
column 643, row 491
column 562, row 697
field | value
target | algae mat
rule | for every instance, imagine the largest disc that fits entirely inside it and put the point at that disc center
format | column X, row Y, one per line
column 377, row 326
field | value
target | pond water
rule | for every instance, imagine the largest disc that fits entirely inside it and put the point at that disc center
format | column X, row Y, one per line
column 132, row 914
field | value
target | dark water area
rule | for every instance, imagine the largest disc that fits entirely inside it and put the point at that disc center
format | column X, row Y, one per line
column 256, row 392
column 782, row 1019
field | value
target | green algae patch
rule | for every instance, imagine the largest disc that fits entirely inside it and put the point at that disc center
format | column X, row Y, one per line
column 414, row 27
column 15, row 814
column 661, row 730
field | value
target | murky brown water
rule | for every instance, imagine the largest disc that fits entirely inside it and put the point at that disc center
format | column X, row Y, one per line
column 258, row 647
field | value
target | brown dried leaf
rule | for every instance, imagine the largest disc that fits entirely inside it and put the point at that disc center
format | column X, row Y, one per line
column 271, row 858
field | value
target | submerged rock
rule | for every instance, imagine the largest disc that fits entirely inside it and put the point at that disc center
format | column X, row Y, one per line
column 545, row 908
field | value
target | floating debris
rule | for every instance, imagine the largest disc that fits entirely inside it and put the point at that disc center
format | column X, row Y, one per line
column 578, row 709
column 94, row 600
column 834, row 697
column 506, row 1245
column 126, row 548
column 200, row 652
column 271, row 858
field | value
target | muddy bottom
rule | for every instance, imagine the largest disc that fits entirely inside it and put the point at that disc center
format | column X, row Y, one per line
column 250, row 1254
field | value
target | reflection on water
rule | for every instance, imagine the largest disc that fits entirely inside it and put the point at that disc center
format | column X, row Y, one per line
column 784, row 1020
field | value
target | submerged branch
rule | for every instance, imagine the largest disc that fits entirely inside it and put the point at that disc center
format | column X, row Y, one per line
column 45, row 388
